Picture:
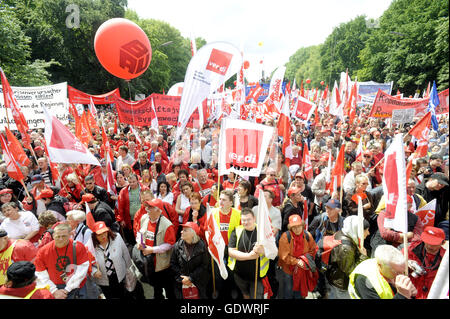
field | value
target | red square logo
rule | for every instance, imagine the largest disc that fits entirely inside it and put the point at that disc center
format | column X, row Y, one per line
column 219, row 61
column 243, row 147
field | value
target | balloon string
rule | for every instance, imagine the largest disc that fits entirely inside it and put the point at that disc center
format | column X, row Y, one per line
column 131, row 105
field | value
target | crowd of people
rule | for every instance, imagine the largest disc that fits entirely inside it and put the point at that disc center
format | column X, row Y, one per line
column 151, row 231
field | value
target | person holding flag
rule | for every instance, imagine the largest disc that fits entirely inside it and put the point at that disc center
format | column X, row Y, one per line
column 243, row 250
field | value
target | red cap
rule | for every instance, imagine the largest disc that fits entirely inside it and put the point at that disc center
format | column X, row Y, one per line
column 432, row 235
column 38, row 148
column 158, row 203
column 295, row 220
column 46, row 193
column 100, row 227
column 293, row 190
column 192, row 225
column 6, row 191
column 88, row 198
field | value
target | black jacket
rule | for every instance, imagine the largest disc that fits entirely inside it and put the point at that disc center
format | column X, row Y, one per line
column 288, row 210
column 196, row 267
column 101, row 194
column 102, row 212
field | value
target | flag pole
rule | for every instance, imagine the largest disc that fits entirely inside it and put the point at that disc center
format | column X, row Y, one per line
column 256, row 275
column 26, row 190
column 213, row 276
column 405, row 252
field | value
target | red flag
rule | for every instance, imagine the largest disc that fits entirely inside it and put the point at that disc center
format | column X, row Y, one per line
column 90, row 221
column 305, row 213
column 338, row 170
column 92, row 122
column 115, row 126
column 306, row 163
column 325, row 93
column 408, row 170
column 11, row 164
column 16, row 148
column 422, row 128
column 254, row 93
column 284, row 129
column 82, row 131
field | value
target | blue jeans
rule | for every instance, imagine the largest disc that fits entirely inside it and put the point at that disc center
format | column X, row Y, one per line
column 288, row 286
column 78, row 293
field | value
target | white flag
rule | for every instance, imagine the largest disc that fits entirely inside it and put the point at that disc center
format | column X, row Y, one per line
column 63, row 146
column 208, row 69
column 264, row 229
column 394, row 186
column 276, row 85
column 439, row 288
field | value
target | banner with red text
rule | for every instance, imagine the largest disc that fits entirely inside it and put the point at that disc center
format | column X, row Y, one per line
column 384, row 104
column 78, row 97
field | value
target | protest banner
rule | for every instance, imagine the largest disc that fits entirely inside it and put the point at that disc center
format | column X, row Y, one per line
column 79, row 97
column 32, row 99
column 243, row 150
column 139, row 113
column 384, row 104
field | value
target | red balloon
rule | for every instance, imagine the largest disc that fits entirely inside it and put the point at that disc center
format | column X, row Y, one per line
column 322, row 82
column 122, row 48
column 308, row 80
column 246, row 65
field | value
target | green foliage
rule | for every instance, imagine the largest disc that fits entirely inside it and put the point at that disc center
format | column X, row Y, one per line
column 408, row 46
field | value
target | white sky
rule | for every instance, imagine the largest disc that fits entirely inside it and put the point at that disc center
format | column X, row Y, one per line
column 283, row 26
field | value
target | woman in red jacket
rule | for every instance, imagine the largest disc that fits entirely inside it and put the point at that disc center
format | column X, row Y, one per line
column 196, row 213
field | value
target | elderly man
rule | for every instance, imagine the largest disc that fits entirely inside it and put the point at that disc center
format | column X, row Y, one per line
column 204, row 150
column 276, row 185
column 349, row 179
column 44, row 171
column 381, row 277
column 124, row 158
column 63, row 265
column 156, row 239
column 204, row 184
column 141, row 164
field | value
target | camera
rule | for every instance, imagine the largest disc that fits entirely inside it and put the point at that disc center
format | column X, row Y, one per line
column 417, row 270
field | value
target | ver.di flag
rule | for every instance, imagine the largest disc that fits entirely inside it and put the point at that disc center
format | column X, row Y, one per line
column 264, row 229
column 209, row 68
column 394, row 186
column 243, row 147
column 427, row 213
column 63, row 146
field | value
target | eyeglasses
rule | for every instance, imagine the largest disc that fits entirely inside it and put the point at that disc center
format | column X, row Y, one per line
column 367, row 156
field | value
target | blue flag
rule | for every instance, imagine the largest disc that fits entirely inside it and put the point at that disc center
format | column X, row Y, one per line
column 432, row 104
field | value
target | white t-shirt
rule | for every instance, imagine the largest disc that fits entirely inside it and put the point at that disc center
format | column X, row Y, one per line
column 274, row 215
column 20, row 228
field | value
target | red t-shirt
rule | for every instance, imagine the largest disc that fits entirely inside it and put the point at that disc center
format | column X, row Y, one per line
column 229, row 185
column 47, row 256
column 224, row 225
column 204, row 189
column 169, row 236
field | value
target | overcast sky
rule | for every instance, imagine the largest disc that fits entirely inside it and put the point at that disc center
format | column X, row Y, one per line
column 283, row 26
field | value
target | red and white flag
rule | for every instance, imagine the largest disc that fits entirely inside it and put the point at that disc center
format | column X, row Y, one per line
column 12, row 168
column 62, row 145
column 216, row 244
column 92, row 108
column 359, row 150
column 264, row 229
column 338, row 172
column 276, row 84
column 394, row 186
column 427, row 213
column 284, row 129
column 243, row 147
column 209, row 68
column 422, row 128
column 133, row 130
column 304, row 108
column 110, row 182
column 154, row 123
column 306, row 163
column 254, row 93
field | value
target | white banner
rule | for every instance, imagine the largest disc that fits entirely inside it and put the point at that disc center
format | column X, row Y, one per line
column 243, row 146
column 276, row 84
column 209, row 68
column 32, row 99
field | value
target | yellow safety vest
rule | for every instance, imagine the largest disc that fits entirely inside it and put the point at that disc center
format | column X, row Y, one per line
column 369, row 268
column 235, row 219
column 263, row 260
column 5, row 262
column 36, row 288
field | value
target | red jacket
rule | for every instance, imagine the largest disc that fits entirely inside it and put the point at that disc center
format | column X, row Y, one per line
column 75, row 193
column 24, row 291
column 123, row 213
column 200, row 221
